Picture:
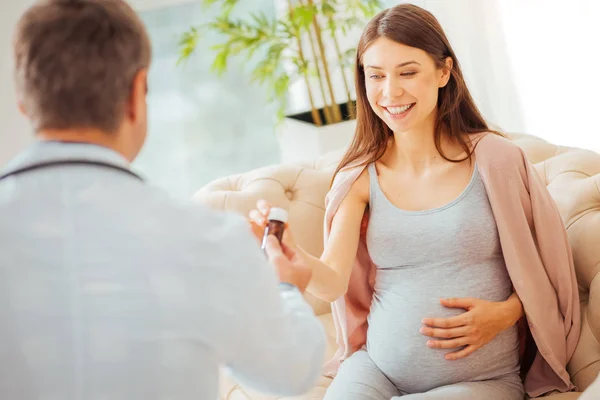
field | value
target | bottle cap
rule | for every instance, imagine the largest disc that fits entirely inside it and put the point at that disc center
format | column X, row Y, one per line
column 278, row 214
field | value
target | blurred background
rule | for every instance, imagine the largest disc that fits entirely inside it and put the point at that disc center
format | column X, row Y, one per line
column 533, row 66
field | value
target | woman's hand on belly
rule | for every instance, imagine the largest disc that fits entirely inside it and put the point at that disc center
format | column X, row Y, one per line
column 479, row 325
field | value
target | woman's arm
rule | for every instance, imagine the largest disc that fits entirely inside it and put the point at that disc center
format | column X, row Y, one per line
column 331, row 272
column 513, row 310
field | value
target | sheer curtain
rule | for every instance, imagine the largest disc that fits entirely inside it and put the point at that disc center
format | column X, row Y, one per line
column 553, row 48
column 531, row 65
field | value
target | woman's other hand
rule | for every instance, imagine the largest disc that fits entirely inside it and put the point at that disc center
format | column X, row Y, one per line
column 479, row 325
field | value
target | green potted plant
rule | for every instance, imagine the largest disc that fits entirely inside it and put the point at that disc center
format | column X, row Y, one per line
column 305, row 43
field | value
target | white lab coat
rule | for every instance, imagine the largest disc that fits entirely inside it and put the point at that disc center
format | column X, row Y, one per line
column 110, row 289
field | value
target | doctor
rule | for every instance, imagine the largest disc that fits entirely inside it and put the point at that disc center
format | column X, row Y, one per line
column 109, row 289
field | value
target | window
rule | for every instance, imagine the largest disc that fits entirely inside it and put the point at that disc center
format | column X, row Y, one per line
column 201, row 126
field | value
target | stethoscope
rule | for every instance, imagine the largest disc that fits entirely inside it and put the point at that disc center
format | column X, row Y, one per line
column 60, row 163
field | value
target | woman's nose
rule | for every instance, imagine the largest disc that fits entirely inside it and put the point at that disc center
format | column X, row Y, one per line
column 392, row 88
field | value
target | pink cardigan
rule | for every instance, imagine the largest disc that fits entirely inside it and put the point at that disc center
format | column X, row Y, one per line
column 536, row 251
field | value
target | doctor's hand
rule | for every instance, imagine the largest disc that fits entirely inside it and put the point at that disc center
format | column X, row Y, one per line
column 479, row 325
column 289, row 263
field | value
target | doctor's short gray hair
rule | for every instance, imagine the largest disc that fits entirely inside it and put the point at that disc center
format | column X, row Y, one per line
column 76, row 60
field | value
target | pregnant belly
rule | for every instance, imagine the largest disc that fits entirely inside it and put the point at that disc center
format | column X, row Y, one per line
column 400, row 350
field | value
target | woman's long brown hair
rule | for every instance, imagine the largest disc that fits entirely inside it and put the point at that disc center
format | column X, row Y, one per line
column 457, row 114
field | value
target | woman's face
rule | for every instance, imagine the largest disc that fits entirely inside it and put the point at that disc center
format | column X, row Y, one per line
column 402, row 84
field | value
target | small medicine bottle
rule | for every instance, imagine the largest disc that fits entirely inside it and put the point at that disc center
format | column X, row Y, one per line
column 275, row 224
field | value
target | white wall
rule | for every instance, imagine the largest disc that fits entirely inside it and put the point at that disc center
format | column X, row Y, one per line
column 531, row 65
column 554, row 56
column 14, row 130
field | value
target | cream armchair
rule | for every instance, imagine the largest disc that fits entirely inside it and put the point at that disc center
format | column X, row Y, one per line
column 572, row 176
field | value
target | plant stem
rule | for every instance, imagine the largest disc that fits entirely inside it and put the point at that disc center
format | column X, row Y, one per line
column 326, row 106
column 314, row 112
column 351, row 110
column 337, row 113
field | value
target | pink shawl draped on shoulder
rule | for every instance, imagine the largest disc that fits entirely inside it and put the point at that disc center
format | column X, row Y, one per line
column 537, row 255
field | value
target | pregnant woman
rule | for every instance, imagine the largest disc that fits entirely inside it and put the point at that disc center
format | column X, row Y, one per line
column 440, row 238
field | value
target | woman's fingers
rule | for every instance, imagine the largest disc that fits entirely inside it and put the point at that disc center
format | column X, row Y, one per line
column 263, row 206
column 257, row 217
column 451, row 322
column 462, row 353
column 448, row 344
column 445, row 333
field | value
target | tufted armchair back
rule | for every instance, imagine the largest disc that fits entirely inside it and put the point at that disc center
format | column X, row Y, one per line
column 571, row 175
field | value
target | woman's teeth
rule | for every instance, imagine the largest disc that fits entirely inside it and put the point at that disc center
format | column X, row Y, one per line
column 399, row 110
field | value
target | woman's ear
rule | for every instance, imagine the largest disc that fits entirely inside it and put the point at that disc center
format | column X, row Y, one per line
column 446, row 72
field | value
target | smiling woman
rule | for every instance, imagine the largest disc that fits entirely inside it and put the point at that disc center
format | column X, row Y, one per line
column 441, row 323
column 415, row 260
column 404, row 75
column 376, row 73
column 410, row 80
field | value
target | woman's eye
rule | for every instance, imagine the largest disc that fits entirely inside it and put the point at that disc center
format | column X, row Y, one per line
column 411, row 73
column 375, row 76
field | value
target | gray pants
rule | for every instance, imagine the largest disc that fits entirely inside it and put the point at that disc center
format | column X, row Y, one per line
column 359, row 379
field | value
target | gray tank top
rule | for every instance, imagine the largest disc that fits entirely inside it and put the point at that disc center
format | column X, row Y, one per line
column 421, row 257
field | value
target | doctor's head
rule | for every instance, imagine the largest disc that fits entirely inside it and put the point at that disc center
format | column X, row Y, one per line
column 81, row 69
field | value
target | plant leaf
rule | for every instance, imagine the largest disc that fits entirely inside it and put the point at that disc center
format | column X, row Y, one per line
column 187, row 44
column 303, row 15
column 328, row 9
column 331, row 26
column 220, row 62
column 281, row 85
